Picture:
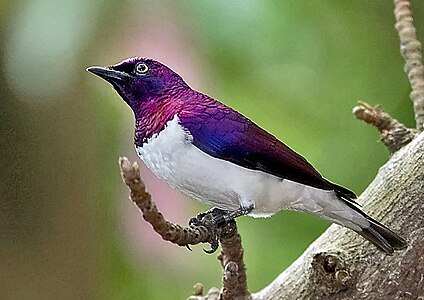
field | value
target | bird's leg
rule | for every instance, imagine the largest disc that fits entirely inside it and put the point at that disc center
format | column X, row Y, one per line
column 219, row 217
column 202, row 218
column 216, row 218
column 241, row 211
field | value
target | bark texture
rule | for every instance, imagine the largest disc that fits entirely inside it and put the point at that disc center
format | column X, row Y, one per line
column 342, row 265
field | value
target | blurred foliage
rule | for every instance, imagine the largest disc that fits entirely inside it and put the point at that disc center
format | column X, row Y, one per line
column 295, row 67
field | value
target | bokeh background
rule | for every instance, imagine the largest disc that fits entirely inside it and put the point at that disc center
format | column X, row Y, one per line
column 67, row 228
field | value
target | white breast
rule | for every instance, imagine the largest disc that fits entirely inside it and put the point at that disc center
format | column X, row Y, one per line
column 172, row 157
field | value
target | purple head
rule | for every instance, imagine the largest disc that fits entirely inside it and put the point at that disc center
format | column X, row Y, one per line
column 140, row 79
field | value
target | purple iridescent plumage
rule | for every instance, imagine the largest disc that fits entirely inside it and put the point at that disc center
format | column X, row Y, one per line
column 214, row 154
column 221, row 132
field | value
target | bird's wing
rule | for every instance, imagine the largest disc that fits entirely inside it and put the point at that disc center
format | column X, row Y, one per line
column 225, row 134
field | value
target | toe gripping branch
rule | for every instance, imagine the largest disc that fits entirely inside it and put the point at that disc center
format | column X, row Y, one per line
column 219, row 222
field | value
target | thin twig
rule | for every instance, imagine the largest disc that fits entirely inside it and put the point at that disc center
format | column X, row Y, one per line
column 235, row 283
column 394, row 134
column 410, row 48
column 177, row 234
column 235, row 279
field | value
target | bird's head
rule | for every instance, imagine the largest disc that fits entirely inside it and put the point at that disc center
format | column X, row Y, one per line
column 139, row 79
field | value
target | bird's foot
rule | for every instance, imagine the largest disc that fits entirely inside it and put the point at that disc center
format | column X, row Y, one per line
column 216, row 218
column 211, row 219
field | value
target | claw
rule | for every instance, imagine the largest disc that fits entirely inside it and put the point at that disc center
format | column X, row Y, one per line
column 212, row 219
column 188, row 247
column 214, row 247
column 194, row 221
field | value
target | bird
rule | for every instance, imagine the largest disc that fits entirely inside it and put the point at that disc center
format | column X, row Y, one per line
column 212, row 153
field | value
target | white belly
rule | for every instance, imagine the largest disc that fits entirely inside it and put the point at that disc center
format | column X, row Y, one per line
column 172, row 157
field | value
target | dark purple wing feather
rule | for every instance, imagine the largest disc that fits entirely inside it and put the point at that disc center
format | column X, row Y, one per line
column 224, row 133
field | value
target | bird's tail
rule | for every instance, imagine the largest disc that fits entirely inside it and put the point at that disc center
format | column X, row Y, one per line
column 375, row 232
column 381, row 236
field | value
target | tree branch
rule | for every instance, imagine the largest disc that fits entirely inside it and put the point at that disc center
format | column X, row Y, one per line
column 410, row 48
column 342, row 265
column 235, row 283
column 394, row 134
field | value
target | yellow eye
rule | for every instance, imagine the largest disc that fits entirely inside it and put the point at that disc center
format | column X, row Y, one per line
column 141, row 68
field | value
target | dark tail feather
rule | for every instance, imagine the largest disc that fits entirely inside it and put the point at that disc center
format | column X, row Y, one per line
column 378, row 234
column 382, row 237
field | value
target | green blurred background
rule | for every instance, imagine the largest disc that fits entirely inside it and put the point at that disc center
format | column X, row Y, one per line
column 67, row 230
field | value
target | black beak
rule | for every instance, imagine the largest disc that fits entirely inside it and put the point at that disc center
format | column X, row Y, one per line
column 109, row 74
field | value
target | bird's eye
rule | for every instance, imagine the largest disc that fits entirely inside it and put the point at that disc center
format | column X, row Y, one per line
column 141, row 68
